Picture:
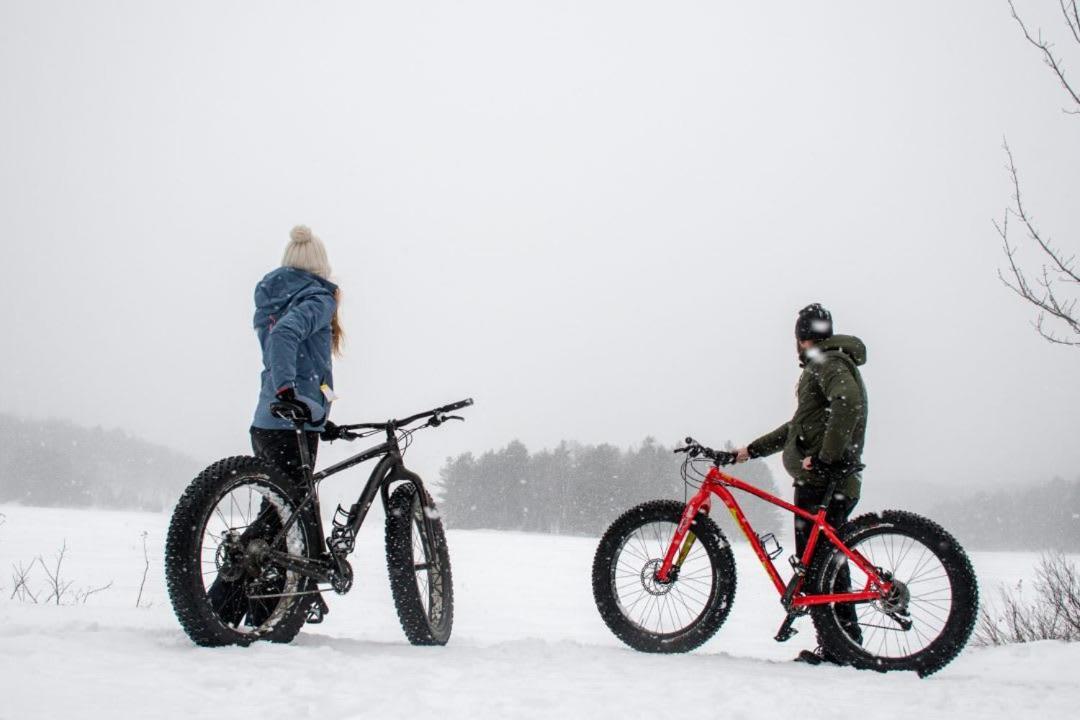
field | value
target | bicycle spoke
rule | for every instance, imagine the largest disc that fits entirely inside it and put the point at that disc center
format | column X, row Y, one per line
column 660, row 608
column 227, row 521
column 923, row 591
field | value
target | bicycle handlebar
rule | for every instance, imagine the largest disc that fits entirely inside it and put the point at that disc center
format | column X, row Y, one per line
column 438, row 416
column 693, row 448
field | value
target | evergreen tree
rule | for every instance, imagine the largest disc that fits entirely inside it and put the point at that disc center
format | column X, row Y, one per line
column 574, row 489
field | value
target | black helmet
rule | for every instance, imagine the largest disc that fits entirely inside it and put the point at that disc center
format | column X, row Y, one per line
column 814, row 323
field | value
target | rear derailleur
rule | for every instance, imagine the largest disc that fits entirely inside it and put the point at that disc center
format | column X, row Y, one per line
column 894, row 605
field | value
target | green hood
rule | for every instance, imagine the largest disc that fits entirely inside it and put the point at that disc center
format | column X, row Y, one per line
column 850, row 345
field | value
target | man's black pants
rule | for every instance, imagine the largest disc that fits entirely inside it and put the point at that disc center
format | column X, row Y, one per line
column 809, row 498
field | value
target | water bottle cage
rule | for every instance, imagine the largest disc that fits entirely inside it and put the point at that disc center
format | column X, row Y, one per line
column 770, row 545
column 342, row 538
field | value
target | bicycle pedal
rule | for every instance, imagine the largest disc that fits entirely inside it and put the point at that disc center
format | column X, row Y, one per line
column 786, row 634
column 787, row 628
column 316, row 613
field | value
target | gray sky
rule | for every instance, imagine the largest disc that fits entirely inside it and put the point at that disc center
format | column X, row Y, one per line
column 597, row 218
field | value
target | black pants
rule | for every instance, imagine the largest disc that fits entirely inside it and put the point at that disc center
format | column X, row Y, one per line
column 228, row 597
column 280, row 447
column 809, row 498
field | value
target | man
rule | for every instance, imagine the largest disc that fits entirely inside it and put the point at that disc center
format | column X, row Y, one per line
column 823, row 441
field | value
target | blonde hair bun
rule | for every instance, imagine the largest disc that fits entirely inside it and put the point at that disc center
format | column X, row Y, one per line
column 300, row 234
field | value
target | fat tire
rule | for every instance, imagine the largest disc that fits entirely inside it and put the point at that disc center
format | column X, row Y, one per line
column 183, row 572
column 964, row 587
column 416, row 624
column 717, row 608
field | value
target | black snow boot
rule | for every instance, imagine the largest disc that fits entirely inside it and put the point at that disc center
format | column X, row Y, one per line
column 817, row 656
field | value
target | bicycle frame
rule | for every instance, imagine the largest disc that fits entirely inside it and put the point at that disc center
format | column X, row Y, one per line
column 794, row 600
column 388, row 470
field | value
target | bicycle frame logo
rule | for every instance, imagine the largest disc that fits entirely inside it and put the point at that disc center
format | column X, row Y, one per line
column 718, row 483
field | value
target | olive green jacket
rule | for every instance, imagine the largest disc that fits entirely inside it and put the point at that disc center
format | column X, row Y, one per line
column 830, row 422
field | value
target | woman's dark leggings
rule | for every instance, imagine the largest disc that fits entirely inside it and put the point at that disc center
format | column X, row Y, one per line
column 280, row 448
column 809, row 497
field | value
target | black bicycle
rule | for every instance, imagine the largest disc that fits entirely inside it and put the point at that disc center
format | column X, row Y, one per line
column 246, row 557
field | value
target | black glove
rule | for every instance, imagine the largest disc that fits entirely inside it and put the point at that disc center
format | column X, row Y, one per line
column 835, row 470
column 330, row 433
column 289, row 407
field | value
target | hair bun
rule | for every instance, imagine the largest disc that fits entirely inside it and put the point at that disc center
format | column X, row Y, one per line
column 300, row 234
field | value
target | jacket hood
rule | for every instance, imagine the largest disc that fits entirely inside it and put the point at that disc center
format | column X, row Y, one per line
column 850, row 345
column 282, row 286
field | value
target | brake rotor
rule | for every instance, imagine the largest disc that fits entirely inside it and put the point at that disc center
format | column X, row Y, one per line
column 652, row 584
column 229, row 558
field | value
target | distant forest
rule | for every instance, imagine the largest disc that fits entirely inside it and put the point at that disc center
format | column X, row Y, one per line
column 579, row 489
column 57, row 463
column 1039, row 517
column 574, row 489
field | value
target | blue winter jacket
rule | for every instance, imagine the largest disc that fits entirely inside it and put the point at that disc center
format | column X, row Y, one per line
column 293, row 310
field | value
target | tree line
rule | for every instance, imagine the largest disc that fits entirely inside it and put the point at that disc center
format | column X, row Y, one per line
column 579, row 489
column 573, row 489
column 57, row 463
column 1040, row 517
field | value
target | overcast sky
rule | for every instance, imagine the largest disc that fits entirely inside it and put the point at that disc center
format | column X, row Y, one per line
column 597, row 218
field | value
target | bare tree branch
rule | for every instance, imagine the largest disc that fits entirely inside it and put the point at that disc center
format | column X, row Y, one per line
column 1054, row 613
column 1073, row 21
column 82, row 595
column 1048, row 56
column 22, row 588
column 1064, row 265
column 58, row 587
column 146, row 569
column 1044, row 292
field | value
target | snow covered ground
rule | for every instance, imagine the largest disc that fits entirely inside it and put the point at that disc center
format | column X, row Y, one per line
column 527, row 643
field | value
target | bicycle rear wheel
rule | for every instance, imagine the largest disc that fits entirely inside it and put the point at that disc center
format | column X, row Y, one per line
column 646, row 614
column 224, row 588
column 928, row 617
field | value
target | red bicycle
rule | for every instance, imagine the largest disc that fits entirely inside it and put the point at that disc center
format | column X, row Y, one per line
column 893, row 591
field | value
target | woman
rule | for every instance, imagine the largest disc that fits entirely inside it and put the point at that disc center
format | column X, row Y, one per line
column 296, row 320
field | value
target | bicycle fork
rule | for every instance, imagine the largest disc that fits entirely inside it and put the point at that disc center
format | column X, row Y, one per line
column 684, row 538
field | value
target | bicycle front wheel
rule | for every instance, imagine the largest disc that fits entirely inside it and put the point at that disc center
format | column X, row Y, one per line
column 646, row 614
column 927, row 618
column 419, row 568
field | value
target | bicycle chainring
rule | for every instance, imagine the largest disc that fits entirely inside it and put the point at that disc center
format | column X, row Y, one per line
column 341, row 577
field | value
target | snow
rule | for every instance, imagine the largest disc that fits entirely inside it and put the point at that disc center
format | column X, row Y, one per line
column 527, row 643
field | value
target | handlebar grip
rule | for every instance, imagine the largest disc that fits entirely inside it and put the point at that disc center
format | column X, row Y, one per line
column 457, row 405
column 725, row 458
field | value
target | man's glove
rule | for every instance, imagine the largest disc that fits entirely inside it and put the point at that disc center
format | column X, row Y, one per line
column 330, row 433
column 289, row 406
column 836, row 470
